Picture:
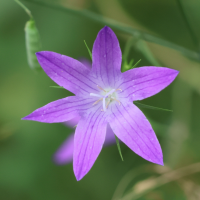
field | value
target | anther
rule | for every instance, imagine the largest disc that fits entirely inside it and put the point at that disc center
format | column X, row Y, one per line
column 116, row 100
column 119, row 89
column 97, row 101
column 100, row 88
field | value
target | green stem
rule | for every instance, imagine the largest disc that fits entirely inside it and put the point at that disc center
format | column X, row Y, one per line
column 127, row 48
column 192, row 34
column 120, row 26
column 25, row 8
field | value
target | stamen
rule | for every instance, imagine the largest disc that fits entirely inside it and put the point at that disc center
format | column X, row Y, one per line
column 97, row 101
column 119, row 89
column 116, row 100
column 100, row 88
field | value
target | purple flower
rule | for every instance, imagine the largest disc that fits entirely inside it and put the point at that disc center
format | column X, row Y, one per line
column 103, row 95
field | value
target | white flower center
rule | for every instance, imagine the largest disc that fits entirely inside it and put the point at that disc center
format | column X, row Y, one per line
column 107, row 97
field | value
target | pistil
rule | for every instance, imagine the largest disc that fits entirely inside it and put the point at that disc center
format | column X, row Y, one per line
column 104, row 97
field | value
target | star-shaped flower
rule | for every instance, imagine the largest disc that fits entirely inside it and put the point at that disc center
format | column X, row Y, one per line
column 103, row 95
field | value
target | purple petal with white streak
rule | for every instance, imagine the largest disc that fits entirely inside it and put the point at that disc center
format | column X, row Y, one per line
column 67, row 72
column 88, row 142
column 140, row 83
column 106, row 57
column 61, row 110
column 131, row 127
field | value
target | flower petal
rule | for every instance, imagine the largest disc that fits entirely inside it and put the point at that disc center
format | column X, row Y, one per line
column 140, row 83
column 86, row 62
column 61, row 110
column 67, row 72
column 106, row 57
column 64, row 154
column 131, row 127
column 110, row 136
column 73, row 122
column 89, row 138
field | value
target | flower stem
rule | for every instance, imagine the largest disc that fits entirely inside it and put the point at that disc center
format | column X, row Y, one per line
column 120, row 26
column 185, row 19
column 25, row 8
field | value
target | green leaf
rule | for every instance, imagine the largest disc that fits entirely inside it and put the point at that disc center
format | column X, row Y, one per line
column 88, row 49
column 118, row 146
column 59, row 87
column 151, row 107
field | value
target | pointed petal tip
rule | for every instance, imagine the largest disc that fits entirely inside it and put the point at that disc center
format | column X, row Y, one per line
column 24, row 118
column 176, row 72
column 78, row 175
column 78, row 178
column 160, row 162
column 106, row 29
column 40, row 53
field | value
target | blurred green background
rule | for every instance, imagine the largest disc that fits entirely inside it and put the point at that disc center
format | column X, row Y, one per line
column 27, row 171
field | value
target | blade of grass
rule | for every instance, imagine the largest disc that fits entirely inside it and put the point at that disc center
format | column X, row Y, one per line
column 118, row 146
column 88, row 49
column 151, row 107
column 136, row 63
column 59, row 87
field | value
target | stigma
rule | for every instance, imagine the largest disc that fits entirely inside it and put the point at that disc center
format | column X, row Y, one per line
column 106, row 96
